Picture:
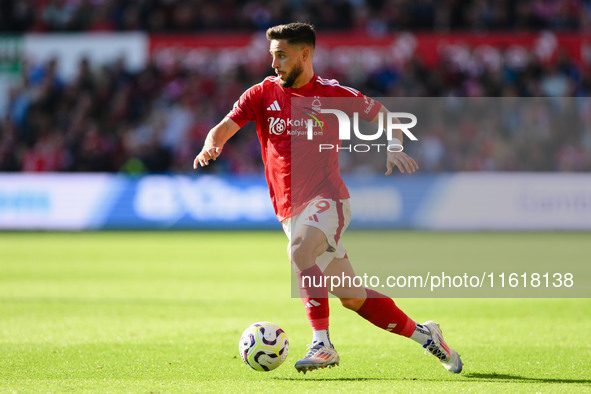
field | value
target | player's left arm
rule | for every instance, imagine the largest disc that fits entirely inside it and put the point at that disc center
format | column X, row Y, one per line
column 404, row 162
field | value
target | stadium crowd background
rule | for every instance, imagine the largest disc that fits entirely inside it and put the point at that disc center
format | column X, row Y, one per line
column 374, row 15
column 108, row 118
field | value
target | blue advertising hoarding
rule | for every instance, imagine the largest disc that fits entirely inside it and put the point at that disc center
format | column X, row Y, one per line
column 466, row 201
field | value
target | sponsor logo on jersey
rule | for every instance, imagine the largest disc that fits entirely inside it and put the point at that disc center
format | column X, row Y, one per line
column 274, row 106
column 278, row 126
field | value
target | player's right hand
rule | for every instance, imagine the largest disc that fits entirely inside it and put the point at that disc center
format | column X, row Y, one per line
column 206, row 155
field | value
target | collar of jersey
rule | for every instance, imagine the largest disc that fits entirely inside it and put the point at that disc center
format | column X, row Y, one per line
column 303, row 89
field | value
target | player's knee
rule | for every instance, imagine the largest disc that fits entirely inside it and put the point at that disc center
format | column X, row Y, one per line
column 301, row 254
column 352, row 303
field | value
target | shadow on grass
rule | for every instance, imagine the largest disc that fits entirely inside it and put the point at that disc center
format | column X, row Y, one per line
column 507, row 377
column 473, row 376
column 341, row 379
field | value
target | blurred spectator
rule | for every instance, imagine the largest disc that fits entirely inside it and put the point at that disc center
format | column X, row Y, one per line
column 373, row 16
column 107, row 118
column 155, row 120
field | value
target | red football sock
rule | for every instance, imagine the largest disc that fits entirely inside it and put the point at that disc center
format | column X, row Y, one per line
column 383, row 312
column 314, row 295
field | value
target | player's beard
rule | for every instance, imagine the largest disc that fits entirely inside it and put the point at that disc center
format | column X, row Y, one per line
column 291, row 76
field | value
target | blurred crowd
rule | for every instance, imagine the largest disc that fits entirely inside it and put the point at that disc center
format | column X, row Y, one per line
column 155, row 120
column 369, row 15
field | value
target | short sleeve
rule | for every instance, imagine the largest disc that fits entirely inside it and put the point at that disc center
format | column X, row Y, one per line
column 244, row 110
column 367, row 107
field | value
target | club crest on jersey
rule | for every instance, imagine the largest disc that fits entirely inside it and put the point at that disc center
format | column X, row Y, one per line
column 316, row 104
column 277, row 126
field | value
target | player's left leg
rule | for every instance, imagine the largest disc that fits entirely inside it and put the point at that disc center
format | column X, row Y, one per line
column 381, row 311
column 375, row 307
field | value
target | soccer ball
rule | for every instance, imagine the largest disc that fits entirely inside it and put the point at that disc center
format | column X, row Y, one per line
column 263, row 346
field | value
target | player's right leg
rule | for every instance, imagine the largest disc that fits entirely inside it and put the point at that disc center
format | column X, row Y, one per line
column 305, row 247
column 314, row 241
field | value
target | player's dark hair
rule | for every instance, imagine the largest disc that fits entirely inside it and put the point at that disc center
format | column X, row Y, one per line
column 294, row 33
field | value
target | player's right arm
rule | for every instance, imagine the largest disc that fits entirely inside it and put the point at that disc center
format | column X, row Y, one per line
column 243, row 111
column 214, row 143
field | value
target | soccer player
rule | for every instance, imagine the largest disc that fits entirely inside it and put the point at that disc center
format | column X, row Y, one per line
column 315, row 219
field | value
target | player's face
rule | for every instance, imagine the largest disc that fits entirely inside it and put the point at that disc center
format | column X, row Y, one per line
column 287, row 61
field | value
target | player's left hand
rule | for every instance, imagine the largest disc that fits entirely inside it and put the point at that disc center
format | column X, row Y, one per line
column 404, row 162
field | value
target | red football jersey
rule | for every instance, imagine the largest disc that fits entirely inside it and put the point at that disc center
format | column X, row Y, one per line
column 297, row 173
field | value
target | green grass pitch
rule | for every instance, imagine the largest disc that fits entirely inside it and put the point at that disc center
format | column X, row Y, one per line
column 163, row 312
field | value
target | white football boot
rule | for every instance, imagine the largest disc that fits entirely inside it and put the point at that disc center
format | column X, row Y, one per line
column 436, row 346
column 318, row 356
